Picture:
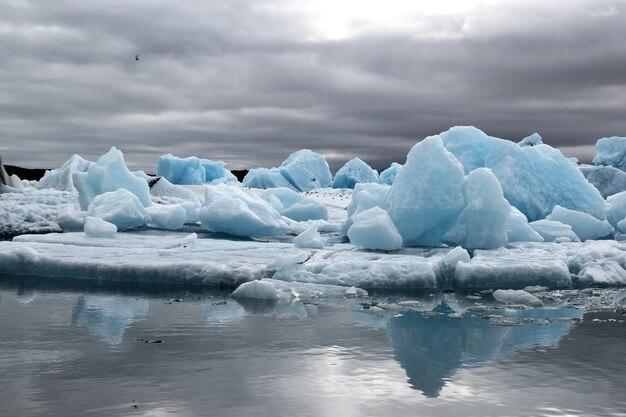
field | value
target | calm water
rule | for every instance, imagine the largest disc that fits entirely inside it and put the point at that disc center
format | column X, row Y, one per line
column 84, row 351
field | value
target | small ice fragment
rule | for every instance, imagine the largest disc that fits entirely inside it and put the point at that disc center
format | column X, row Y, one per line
column 260, row 290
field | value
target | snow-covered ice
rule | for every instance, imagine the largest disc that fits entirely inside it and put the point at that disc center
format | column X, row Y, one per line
column 61, row 178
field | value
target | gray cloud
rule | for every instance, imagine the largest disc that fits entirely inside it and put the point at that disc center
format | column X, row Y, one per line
column 249, row 84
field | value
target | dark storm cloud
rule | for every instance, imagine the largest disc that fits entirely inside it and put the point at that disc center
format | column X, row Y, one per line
column 249, row 83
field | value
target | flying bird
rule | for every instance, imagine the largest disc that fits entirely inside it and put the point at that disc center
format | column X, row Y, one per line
column 137, row 57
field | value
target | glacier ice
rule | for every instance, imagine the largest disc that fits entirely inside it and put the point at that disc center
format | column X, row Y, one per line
column 388, row 175
column 355, row 171
column 534, row 178
column 310, row 238
column 611, row 151
column 551, row 231
column 373, row 229
column 295, row 205
column 193, row 170
column 483, row 222
column 109, row 174
column 517, row 297
column 607, row 179
column 616, row 208
column 61, row 178
column 306, row 170
column 265, row 178
column 229, row 209
column 96, row 227
column 120, row 207
column 584, row 225
column 426, row 197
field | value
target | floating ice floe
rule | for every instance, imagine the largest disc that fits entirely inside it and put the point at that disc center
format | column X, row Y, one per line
column 517, row 297
column 355, row 171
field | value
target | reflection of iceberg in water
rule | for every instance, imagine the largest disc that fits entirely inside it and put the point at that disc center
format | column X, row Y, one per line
column 108, row 316
column 222, row 312
column 432, row 348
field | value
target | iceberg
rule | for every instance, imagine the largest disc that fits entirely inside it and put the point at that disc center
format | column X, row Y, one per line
column 388, row 175
column 364, row 197
column 616, row 208
column 373, row 229
column 168, row 216
column 95, row 227
column 534, row 178
column 61, row 178
column 584, row 225
column 310, row 238
column 295, row 205
column 518, row 230
column 612, row 152
column 426, row 197
column 306, row 170
column 228, row 209
column 551, row 231
column 192, row 170
column 265, row 178
column 120, row 207
column 483, row 222
column 355, row 171
column 607, row 179
column 109, row 174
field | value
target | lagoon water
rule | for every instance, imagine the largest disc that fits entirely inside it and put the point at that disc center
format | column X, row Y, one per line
column 110, row 351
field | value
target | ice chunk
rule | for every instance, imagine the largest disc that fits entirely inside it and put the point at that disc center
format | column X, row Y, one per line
column 388, row 175
column 585, row 226
column 295, row 205
column 109, row 174
column 265, row 178
column 120, row 207
column 373, row 229
column 306, row 170
column 192, row 170
column 607, row 179
column 551, row 230
column 228, row 209
column 70, row 220
column 483, row 222
column 426, row 197
column 517, row 297
column 531, row 140
column 456, row 255
column 95, row 227
column 611, row 151
column 310, row 238
column 355, row 171
column 61, row 178
column 616, row 208
column 260, row 290
column 168, row 217
column 161, row 187
column 534, row 178
column 16, row 182
column 364, row 197
column 518, row 230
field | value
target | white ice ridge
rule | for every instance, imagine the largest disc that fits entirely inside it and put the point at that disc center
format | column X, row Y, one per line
column 173, row 257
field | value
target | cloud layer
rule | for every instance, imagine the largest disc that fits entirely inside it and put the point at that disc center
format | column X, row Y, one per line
column 249, row 82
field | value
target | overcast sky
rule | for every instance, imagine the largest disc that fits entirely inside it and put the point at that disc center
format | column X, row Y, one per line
column 250, row 81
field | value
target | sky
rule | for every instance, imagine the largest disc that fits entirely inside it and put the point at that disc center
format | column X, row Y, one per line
column 250, row 81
